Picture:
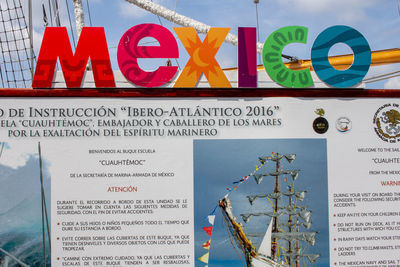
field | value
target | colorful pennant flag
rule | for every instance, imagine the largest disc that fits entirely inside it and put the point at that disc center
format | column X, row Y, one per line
column 207, row 245
column 211, row 219
column 208, row 230
column 204, row 258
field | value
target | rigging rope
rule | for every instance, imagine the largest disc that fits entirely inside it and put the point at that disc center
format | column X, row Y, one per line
column 382, row 77
column 231, row 238
column 57, row 13
column 258, row 29
column 45, row 20
column 70, row 24
column 398, row 6
column 43, row 232
column 2, row 147
column 16, row 59
column 45, row 218
column 51, row 14
column 88, row 8
column 159, row 19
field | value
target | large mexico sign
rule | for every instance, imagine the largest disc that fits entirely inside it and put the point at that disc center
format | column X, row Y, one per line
column 92, row 44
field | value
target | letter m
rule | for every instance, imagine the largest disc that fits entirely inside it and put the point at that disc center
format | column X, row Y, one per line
column 92, row 43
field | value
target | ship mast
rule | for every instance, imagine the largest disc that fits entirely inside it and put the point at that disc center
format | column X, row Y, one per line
column 269, row 253
column 275, row 218
column 290, row 229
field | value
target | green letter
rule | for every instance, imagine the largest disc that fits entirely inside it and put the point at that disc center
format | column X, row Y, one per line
column 272, row 57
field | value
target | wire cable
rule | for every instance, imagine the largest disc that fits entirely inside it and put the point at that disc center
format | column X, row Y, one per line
column 88, row 8
column 70, row 23
column 43, row 207
column 159, row 19
column 380, row 76
column 2, row 147
column 51, row 14
column 398, row 6
column 232, row 239
column 258, row 29
column 57, row 13
column 45, row 19
column 382, row 79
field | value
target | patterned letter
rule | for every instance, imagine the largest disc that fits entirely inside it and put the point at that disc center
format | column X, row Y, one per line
column 272, row 57
column 202, row 57
column 247, row 57
column 362, row 56
column 92, row 43
column 129, row 51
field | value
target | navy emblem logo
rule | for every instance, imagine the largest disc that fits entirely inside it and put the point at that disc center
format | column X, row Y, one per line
column 387, row 123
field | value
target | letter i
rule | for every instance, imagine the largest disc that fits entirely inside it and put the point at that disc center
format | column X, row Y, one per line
column 247, row 57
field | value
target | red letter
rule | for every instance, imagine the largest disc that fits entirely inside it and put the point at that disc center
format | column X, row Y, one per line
column 92, row 43
column 129, row 51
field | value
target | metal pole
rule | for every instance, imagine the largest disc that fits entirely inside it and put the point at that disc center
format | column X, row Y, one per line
column 79, row 16
column 31, row 37
column 275, row 224
column 80, row 21
column 43, row 207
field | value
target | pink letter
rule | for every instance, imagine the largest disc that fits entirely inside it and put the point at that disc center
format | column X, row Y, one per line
column 129, row 51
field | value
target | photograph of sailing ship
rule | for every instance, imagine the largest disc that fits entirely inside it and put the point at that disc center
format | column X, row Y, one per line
column 24, row 206
column 269, row 198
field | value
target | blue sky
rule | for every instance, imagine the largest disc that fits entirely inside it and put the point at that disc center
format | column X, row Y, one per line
column 377, row 20
column 218, row 163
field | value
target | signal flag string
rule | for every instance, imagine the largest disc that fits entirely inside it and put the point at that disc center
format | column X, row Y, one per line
column 211, row 216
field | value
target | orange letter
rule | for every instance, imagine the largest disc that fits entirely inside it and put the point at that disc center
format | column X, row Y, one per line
column 202, row 57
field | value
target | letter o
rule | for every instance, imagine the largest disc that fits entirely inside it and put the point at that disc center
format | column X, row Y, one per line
column 361, row 50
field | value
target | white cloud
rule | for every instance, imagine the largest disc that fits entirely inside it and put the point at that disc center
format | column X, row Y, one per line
column 346, row 11
column 380, row 72
column 16, row 154
column 128, row 10
column 392, row 83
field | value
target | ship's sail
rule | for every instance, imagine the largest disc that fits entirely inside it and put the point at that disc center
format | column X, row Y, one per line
column 292, row 236
column 265, row 247
column 311, row 257
column 300, row 195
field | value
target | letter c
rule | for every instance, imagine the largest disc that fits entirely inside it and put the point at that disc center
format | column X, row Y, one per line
column 272, row 57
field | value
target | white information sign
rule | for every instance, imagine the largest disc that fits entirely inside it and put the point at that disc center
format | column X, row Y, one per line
column 196, row 182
